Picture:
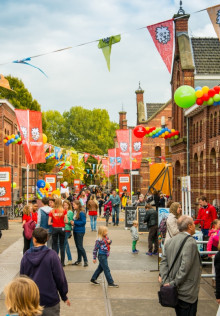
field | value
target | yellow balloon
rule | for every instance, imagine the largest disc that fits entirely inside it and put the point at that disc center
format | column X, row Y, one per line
column 44, row 138
column 199, row 93
column 163, row 134
column 9, row 137
column 5, row 141
column 13, row 136
column 205, row 89
column 166, row 133
column 172, row 130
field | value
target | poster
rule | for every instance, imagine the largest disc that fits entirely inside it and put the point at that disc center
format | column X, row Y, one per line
column 124, row 183
column 52, row 180
column 5, row 186
column 76, row 184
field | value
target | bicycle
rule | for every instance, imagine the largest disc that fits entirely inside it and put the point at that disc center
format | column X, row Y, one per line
column 18, row 209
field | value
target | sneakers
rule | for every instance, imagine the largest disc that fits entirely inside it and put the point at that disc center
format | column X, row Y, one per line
column 76, row 263
column 94, row 282
column 149, row 253
column 69, row 262
column 155, row 253
column 135, row 251
column 113, row 285
column 86, row 264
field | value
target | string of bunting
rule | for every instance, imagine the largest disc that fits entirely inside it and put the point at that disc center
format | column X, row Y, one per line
column 162, row 34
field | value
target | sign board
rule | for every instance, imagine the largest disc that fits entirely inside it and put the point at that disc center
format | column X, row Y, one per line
column 141, row 212
column 199, row 237
column 5, row 186
column 162, row 214
column 124, row 183
column 134, row 198
column 52, row 180
column 130, row 215
column 135, row 172
column 76, row 183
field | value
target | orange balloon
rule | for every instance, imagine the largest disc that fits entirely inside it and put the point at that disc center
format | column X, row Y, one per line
column 205, row 89
column 199, row 93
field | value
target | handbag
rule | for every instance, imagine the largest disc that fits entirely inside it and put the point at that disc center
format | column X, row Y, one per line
column 29, row 227
column 168, row 295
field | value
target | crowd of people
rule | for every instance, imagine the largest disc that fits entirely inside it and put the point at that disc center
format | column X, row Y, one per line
column 47, row 230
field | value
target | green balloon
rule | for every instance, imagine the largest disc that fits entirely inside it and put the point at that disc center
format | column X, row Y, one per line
column 19, row 139
column 216, row 98
column 185, row 97
column 67, row 163
column 151, row 134
column 176, row 136
column 210, row 101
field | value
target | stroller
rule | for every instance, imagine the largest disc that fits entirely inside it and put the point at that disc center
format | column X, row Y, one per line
column 107, row 211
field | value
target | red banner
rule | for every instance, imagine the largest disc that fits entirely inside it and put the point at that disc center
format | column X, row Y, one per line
column 136, row 151
column 30, row 126
column 105, row 166
column 124, row 183
column 76, row 183
column 123, row 141
column 86, row 156
column 163, row 35
column 5, row 186
column 52, row 180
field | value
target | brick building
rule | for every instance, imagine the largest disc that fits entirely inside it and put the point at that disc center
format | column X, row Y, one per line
column 13, row 154
column 196, row 153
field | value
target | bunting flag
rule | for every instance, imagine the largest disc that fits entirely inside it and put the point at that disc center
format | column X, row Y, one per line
column 57, row 152
column 97, row 157
column 46, row 146
column 93, row 167
column 24, row 62
column 106, row 45
column 80, row 157
column 50, row 148
column 30, row 126
column 86, row 156
column 163, row 37
column 214, row 15
column 105, row 166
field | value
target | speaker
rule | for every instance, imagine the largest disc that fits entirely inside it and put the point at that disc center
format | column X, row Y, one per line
column 3, row 222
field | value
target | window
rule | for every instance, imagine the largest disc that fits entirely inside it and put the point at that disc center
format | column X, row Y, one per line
column 200, row 131
column 197, row 132
column 157, row 154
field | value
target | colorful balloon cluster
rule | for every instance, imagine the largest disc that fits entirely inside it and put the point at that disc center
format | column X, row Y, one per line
column 153, row 132
column 63, row 165
column 186, row 96
column 12, row 139
column 42, row 189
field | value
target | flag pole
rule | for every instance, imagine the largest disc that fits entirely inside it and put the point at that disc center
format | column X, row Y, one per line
column 108, row 173
column 27, row 183
column 130, row 148
column 116, row 176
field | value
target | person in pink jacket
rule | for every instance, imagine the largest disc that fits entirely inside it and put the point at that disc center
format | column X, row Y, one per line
column 214, row 232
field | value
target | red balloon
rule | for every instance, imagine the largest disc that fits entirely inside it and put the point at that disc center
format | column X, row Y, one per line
column 199, row 101
column 206, row 96
column 211, row 93
column 140, row 131
column 217, row 89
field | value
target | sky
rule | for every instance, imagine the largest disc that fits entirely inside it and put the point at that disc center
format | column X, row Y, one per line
column 79, row 76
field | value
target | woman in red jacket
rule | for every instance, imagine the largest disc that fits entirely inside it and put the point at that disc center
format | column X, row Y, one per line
column 58, row 219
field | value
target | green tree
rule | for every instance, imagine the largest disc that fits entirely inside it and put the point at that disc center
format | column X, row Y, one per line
column 55, row 128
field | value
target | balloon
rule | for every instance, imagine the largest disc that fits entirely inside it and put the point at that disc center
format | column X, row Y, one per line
column 65, row 183
column 205, row 89
column 41, row 184
column 217, row 89
column 5, row 141
column 19, row 139
column 16, row 136
column 199, row 93
column 12, row 140
column 206, row 96
column 199, row 101
column 176, row 136
column 44, row 139
column 20, row 142
column 211, row 93
column 118, row 189
column 9, row 137
column 14, row 185
column 185, row 97
column 210, row 101
column 71, row 167
column 216, row 98
column 67, row 164
column 140, row 131
column 198, row 88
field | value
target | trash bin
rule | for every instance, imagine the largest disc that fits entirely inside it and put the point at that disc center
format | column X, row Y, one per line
column 3, row 222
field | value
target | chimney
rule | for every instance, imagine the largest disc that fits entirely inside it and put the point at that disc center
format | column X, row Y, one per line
column 122, row 120
column 141, row 112
column 181, row 20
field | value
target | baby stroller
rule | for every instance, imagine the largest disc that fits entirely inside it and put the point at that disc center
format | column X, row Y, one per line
column 107, row 211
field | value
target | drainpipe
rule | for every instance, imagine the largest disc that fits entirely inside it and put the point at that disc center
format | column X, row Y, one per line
column 187, row 150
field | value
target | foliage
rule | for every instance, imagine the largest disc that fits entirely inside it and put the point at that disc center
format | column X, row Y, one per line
column 48, row 166
column 79, row 167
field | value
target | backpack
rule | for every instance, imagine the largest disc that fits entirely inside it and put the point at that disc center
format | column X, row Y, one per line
column 163, row 227
column 29, row 227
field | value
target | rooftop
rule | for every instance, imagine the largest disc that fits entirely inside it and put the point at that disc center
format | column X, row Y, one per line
column 152, row 108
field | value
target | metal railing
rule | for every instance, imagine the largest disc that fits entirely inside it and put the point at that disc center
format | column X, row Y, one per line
column 212, row 275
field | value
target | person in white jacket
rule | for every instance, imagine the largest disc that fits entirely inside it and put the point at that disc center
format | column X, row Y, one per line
column 175, row 213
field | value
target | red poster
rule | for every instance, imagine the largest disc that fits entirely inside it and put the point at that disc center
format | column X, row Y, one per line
column 30, row 126
column 163, row 35
column 76, row 183
column 5, row 186
column 124, row 183
column 52, row 180
column 123, row 141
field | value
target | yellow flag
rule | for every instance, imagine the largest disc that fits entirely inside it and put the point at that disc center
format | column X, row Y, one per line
column 214, row 14
column 106, row 45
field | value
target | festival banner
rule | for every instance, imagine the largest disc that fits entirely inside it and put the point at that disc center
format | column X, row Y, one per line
column 30, row 126
column 52, row 180
column 86, row 156
column 163, row 36
column 214, row 15
column 123, row 141
column 105, row 166
column 124, row 183
column 136, row 151
column 106, row 45
column 112, row 161
column 5, row 186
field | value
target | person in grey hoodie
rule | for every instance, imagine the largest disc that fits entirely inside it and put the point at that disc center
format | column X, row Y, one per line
column 42, row 220
column 115, row 199
column 134, row 236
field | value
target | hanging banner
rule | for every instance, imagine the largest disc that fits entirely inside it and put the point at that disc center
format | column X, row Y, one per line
column 5, row 186
column 214, row 15
column 163, row 36
column 105, row 166
column 30, row 126
column 136, row 151
column 86, row 156
column 106, row 45
column 123, row 141
column 124, row 183
column 57, row 152
column 76, row 184
column 80, row 157
column 52, row 180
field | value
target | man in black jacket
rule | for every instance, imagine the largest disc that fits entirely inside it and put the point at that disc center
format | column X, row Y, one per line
column 151, row 218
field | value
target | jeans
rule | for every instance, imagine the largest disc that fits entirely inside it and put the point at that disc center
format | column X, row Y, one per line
column 153, row 238
column 93, row 219
column 115, row 212
column 103, row 266
column 66, row 246
column 27, row 243
column 78, row 237
column 186, row 309
column 52, row 311
column 58, row 233
column 49, row 241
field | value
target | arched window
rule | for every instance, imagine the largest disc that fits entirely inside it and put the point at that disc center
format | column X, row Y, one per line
column 157, row 154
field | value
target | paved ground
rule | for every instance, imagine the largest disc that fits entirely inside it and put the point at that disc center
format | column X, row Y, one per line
column 138, row 286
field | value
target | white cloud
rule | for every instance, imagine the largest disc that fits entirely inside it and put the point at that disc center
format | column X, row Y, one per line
column 80, row 76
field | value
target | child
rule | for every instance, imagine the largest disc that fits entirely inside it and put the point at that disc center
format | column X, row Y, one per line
column 212, row 244
column 22, row 297
column 135, row 236
column 102, row 246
